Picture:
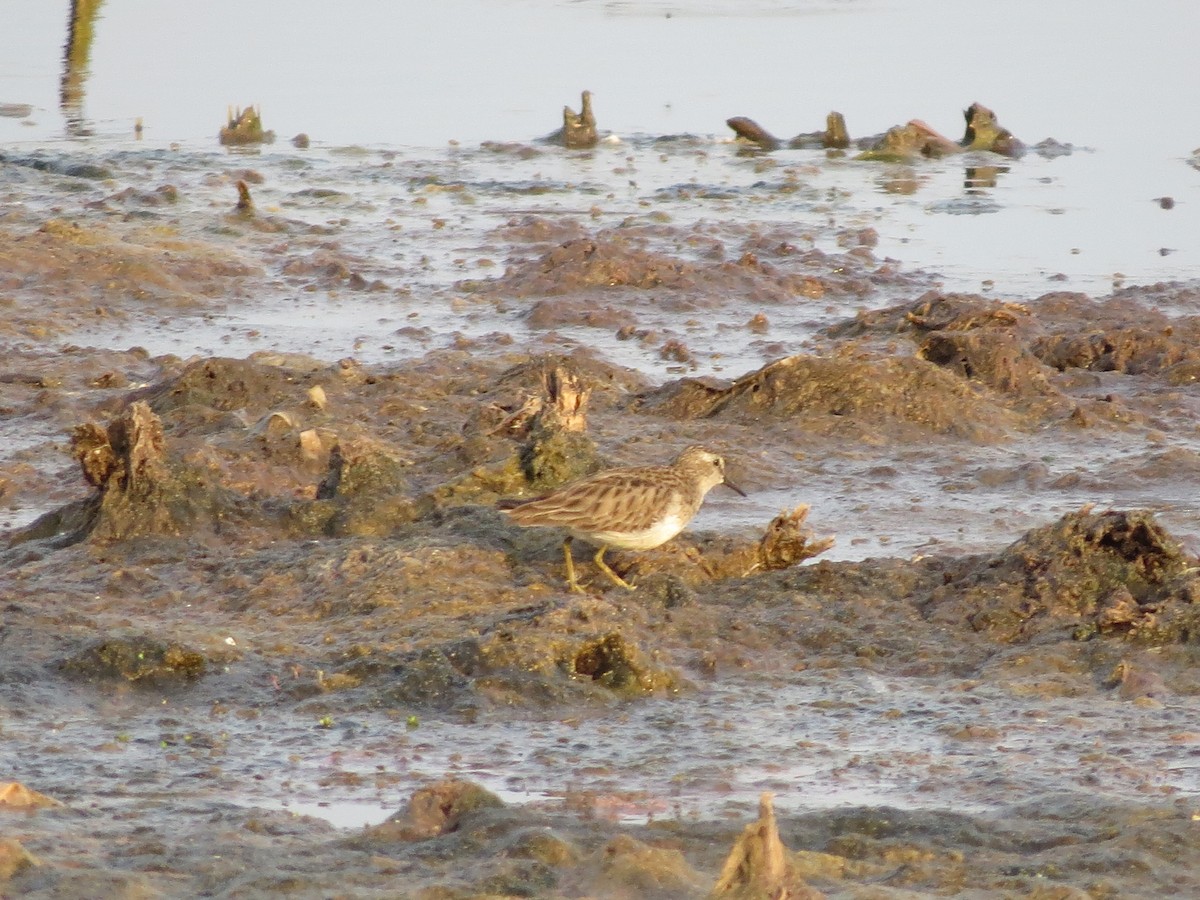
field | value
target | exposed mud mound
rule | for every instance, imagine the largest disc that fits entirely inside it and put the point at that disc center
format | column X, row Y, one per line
column 542, row 655
column 597, row 262
column 228, row 385
column 366, row 492
column 94, row 271
column 534, row 229
column 992, row 356
column 986, row 341
column 934, row 311
column 431, row 811
column 139, row 490
column 1088, row 573
column 770, row 266
column 1013, row 346
column 1031, row 354
column 825, row 391
column 1129, row 350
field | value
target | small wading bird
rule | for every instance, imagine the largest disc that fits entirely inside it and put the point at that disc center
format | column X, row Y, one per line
column 631, row 508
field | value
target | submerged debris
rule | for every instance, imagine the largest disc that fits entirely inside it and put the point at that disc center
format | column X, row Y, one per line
column 244, row 127
column 834, row 137
column 578, row 130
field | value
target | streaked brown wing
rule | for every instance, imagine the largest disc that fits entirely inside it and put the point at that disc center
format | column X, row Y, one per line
column 623, row 500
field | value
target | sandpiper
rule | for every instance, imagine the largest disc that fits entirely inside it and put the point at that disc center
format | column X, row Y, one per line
column 632, row 508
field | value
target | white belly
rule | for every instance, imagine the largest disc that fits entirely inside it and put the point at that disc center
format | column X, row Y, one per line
column 661, row 532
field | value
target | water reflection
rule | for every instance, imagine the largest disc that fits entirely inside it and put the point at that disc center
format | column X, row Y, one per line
column 81, row 30
column 899, row 180
column 978, row 178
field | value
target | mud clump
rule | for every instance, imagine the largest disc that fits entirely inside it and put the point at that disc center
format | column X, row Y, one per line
column 15, row 859
column 226, row 385
column 992, row 356
column 139, row 490
column 1088, row 574
column 366, row 492
column 835, row 136
column 1030, row 356
column 244, row 126
column 540, row 657
column 1128, row 350
column 984, row 132
column 549, row 420
column 937, row 312
column 983, row 341
column 787, row 542
column 138, row 660
column 432, row 811
column 578, row 130
column 557, row 449
column 596, row 262
column 758, row 865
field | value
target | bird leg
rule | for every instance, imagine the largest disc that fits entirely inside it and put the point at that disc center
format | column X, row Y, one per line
column 571, row 582
column 613, row 576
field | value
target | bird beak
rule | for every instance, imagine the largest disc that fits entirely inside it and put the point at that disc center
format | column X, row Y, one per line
column 733, row 487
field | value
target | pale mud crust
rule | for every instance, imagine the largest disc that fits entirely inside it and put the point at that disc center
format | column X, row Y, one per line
column 240, row 558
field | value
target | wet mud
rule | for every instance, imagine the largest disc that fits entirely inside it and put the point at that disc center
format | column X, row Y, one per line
column 242, row 589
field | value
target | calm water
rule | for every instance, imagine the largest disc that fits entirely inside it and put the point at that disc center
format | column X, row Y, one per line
column 1096, row 73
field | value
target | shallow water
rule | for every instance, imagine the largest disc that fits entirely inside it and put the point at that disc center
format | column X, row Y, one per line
column 817, row 740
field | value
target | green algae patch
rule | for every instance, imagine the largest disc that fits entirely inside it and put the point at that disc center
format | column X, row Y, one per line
column 1113, row 572
column 139, row 659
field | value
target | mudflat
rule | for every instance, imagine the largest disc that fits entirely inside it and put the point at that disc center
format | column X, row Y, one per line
column 257, row 594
